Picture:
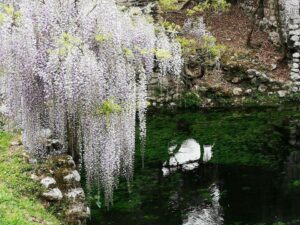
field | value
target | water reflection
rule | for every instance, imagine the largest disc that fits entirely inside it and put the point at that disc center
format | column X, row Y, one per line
column 206, row 214
column 227, row 183
column 187, row 157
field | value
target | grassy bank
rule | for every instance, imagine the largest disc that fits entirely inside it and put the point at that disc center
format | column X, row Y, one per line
column 19, row 204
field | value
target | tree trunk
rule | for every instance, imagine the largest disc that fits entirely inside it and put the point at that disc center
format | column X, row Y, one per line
column 283, row 43
column 248, row 43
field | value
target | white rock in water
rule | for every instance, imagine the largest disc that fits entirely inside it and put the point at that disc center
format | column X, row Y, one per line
column 73, row 176
column 188, row 152
column 48, row 181
column 190, row 166
column 53, row 195
column 208, row 153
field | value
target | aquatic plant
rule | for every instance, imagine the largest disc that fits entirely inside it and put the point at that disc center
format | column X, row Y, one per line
column 77, row 72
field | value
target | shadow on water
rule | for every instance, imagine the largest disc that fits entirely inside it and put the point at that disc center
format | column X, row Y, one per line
column 222, row 167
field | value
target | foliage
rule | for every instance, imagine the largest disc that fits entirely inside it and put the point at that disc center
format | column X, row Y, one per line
column 162, row 54
column 188, row 45
column 18, row 193
column 109, row 107
column 191, row 100
column 63, row 60
column 167, row 5
column 213, row 5
column 210, row 50
column 201, row 42
column 171, row 27
column 296, row 183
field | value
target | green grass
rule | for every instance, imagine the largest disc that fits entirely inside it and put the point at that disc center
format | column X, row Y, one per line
column 19, row 204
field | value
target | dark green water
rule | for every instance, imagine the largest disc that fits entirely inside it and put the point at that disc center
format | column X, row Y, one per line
column 252, row 178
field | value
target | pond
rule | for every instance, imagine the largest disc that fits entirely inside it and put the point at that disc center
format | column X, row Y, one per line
column 210, row 168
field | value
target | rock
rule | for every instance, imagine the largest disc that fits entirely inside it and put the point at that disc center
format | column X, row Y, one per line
column 273, row 66
column 203, row 89
column 34, row 177
column 75, row 194
column 248, row 91
column 293, row 26
column 295, row 66
column 53, row 195
column 32, row 161
column 296, row 55
column 295, row 89
column 251, row 73
column 236, row 80
column 237, row 91
column 262, row 88
column 254, row 80
column 78, row 211
column 274, row 38
column 15, row 143
column 295, row 32
column 282, row 93
column 172, row 104
column 48, row 182
column 263, row 77
column 74, row 176
column 295, row 76
column 295, row 38
column 69, row 161
column 295, row 60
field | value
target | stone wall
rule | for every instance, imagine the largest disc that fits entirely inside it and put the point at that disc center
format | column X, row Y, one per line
column 294, row 47
column 61, row 184
column 290, row 20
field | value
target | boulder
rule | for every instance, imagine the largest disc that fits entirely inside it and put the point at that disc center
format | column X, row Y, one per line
column 237, row 91
column 282, row 93
column 73, row 176
column 78, row 211
column 75, row 194
column 48, row 182
column 296, row 55
column 262, row 88
column 274, row 38
column 53, row 195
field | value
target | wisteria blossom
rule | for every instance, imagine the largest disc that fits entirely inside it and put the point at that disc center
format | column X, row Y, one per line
column 80, row 69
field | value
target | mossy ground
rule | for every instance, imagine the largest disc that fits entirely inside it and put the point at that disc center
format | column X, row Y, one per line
column 19, row 204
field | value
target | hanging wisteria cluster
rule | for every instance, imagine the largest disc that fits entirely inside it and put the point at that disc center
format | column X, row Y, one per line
column 77, row 70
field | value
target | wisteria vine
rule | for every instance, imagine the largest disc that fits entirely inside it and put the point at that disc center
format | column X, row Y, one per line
column 79, row 69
